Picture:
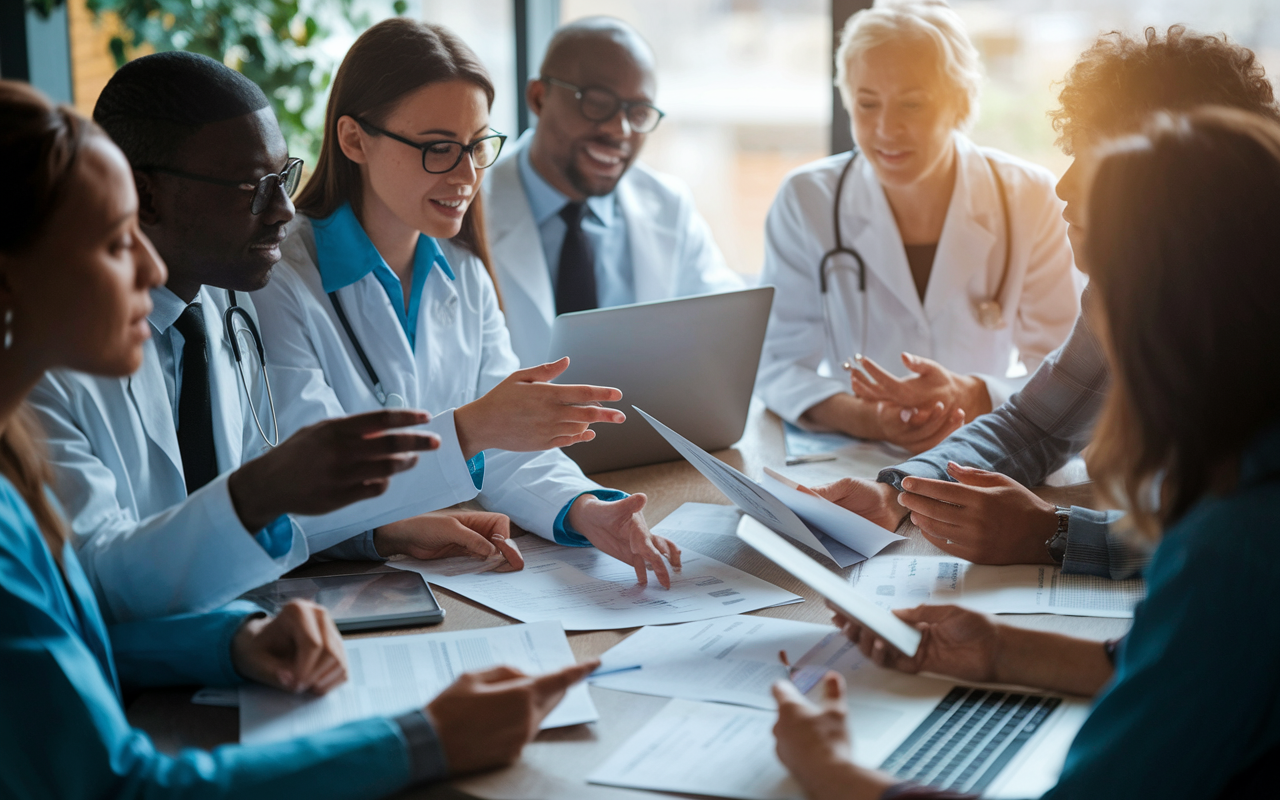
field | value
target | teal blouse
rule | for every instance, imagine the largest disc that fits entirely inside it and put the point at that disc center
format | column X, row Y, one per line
column 63, row 731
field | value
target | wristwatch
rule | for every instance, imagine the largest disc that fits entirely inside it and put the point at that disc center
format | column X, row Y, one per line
column 1057, row 543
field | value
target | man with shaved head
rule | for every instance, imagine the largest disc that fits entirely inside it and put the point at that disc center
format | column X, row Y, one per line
column 576, row 222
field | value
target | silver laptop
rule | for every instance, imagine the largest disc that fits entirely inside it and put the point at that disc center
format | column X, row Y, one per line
column 691, row 362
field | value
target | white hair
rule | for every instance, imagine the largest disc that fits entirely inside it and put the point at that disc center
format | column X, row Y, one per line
column 932, row 21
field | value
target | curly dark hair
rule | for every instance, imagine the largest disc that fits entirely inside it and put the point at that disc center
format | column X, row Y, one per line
column 1122, row 78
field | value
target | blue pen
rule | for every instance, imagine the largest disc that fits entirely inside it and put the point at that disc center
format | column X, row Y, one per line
column 601, row 672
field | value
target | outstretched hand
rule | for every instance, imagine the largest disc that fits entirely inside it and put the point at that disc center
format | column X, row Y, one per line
column 617, row 528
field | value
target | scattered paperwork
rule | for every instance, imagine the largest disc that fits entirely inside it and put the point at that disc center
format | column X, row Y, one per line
column 893, row 581
column 726, row 660
column 586, row 590
column 390, row 675
column 831, row 530
column 702, row 748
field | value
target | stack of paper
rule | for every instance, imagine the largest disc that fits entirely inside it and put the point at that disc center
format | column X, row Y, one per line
column 908, row 581
column 390, row 675
column 809, row 520
column 584, row 589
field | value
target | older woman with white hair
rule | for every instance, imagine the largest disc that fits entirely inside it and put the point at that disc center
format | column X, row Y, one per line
column 919, row 261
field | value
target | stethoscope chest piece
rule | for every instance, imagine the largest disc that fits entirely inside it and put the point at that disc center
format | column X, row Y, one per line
column 990, row 314
column 395, row 401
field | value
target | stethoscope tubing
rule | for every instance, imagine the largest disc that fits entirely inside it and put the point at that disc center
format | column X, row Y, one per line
column 228, row 320
column 392, row 400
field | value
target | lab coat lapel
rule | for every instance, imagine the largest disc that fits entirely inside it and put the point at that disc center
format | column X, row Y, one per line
column 877, row 240
column 225, row 389
column 151, row 400
column 969, row 233
column 515, row 240
column 651, row 251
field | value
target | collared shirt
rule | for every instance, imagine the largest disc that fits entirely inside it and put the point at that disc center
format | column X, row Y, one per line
column 604, row 226
column 345, row 254
column 277, row 537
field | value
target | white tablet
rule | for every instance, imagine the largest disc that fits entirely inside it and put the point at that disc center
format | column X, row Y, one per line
column 829, row 585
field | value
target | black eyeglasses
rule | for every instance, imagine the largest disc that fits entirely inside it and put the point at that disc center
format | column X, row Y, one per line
column 287, row 179
column 443, row 155
column 601, row 105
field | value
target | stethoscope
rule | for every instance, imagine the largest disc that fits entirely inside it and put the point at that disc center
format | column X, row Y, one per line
column 229, row 317
column 989, row 312
column 391, row 400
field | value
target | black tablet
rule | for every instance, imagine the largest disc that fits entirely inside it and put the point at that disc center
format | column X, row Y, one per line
column 359, row 602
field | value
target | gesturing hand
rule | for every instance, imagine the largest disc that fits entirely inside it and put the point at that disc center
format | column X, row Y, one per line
column 445, row 534
column 617, row 528
column 813, row 740
column 485, row 719
column 526, row 413
column 328, row 465
column 985, row 517
column 299, row 650
column 870, row 499
column 954, row 641
column 930, row 383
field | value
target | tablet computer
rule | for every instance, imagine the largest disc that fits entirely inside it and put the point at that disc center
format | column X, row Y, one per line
column 829, row 585
column 359, row 602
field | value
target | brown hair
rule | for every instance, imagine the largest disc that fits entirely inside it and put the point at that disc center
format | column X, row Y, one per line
column 1121, row 79
column 387, row 62
column 38, row 147
column 1181, row 247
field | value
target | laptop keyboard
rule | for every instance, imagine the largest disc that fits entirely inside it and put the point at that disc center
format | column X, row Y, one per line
column 969, row 738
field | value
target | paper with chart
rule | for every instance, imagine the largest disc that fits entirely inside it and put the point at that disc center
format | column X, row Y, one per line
column 702, row 748
column 839, row 535
column 892, row 581
column 390, row 675
column 726, row 660
column 586, row 590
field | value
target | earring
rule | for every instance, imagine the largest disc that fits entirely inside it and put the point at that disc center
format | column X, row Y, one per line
column 8, row 328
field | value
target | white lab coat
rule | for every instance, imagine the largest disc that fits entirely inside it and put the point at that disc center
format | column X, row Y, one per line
column 148, row 548
column 463, row 350
column 672, row 251
column 800, row 365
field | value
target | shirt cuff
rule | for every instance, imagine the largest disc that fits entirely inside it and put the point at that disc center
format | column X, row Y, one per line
column 476, row 467
column 1092, row 549
column 277, row 537
column 358, row 548
column 426, row 755
column 907, row 469
column 564, row 532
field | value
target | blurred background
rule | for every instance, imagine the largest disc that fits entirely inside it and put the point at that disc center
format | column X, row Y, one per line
column 746, row 84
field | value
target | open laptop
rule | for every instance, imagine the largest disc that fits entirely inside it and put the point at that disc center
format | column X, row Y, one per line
column 691, row 362
column 996, row 742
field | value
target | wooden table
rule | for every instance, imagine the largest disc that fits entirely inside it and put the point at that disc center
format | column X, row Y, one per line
column 556, row 763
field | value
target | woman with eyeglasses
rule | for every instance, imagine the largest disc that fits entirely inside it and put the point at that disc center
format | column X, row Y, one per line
column 76, row 272
column 385, row 298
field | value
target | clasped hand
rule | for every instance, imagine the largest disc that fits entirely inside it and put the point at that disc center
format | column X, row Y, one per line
column 298, row 650
column 454, row 532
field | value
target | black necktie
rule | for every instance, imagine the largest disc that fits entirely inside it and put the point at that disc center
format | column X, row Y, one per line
column 576, row 280
column 195, row 407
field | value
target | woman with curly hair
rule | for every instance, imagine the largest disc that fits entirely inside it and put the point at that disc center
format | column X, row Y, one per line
column 968, row 494
column 1181, row 245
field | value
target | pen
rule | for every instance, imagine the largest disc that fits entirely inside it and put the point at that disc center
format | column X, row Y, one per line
column 601, row 672
column 786, row 662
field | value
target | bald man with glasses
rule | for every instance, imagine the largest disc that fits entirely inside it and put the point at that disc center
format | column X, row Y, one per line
column 575, row 221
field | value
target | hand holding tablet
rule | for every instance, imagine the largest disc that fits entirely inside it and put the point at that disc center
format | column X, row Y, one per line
column 829, row 585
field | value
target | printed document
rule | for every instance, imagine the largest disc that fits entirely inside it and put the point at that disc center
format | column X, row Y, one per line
column 390, row 675
column 586, row 590
column 835, row 532
column 726, row 660
column 892, row 581
column 702, row 748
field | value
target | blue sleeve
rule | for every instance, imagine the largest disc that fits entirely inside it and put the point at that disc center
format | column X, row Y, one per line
column 1095, row 547
column 175, row 651
column 63, row 734
column 1193, row 700
column 358, row 548
column 476, row 467
column 277, row 537
column 564, row 532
